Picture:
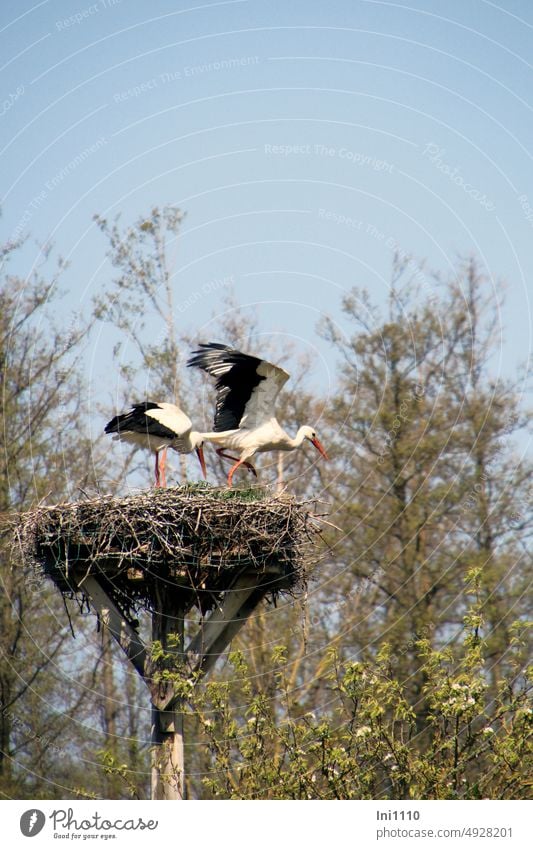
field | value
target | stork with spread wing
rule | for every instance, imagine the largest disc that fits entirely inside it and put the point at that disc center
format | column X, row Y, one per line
column 247, row 388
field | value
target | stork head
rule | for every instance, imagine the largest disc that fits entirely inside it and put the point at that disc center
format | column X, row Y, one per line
column 310, row 434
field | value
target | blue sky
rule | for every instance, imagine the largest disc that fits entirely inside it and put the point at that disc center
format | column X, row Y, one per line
column 304, row 141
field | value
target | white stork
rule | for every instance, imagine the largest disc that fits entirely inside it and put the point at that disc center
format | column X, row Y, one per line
column 158, row 427
column 247, row 388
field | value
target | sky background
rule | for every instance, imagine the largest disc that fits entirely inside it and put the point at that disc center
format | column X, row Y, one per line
column 305, row 142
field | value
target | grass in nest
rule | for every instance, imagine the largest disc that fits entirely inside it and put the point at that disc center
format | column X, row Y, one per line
column 247, row 494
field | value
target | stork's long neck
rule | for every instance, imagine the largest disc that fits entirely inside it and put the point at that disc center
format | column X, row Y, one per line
column 298, row 439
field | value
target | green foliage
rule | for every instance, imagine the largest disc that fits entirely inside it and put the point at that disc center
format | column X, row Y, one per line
column 366, row 742
column 237, row 493
column 427, row 488
column 120, row 771
column 41, row 391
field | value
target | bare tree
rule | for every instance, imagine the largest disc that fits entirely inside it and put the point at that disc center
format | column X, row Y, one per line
column 42, row 457
column 142, row 289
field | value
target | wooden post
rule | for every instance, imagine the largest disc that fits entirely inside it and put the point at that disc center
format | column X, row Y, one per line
column 168, row 756
column 213, row 637
column 224, row 623
column 125, row 635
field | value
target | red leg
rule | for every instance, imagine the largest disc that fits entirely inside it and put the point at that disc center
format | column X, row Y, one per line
column 222, row 453
column 233, row 469
column 157, row 477
column 162, row 467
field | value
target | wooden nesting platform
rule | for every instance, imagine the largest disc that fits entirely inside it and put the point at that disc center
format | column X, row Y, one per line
column 185, row 546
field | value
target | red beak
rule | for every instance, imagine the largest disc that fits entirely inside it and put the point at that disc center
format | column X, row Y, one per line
column 200, row 452
column 319, row 447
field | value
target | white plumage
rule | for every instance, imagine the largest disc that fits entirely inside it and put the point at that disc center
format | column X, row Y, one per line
column 247, row 389
column 158, row 426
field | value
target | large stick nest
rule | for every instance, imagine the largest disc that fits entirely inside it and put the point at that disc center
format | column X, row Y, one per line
column 186, row 545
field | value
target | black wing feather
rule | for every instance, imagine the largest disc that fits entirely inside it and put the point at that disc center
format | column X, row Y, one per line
column 236, row 378
column 136, row 421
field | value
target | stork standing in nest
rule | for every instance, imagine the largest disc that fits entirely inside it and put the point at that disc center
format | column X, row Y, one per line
column 158, row 426
column 247, row 388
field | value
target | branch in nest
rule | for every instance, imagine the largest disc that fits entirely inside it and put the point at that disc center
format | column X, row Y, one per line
column 184, row 546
